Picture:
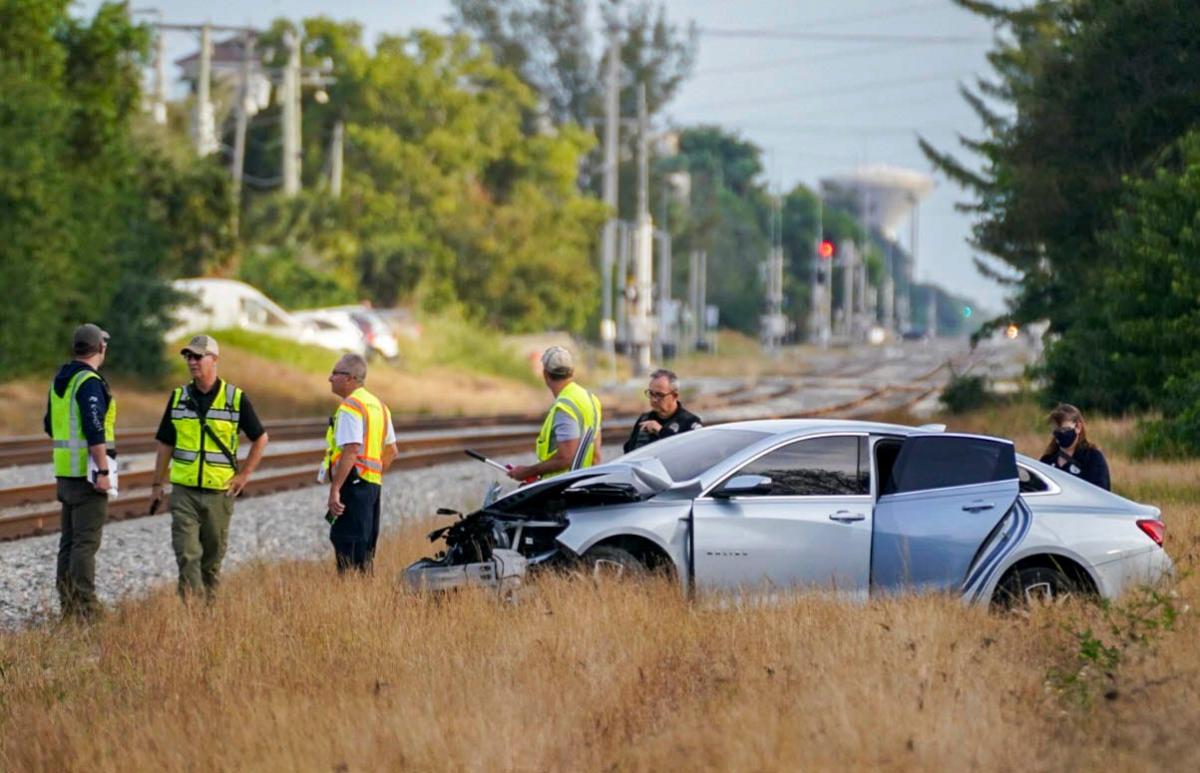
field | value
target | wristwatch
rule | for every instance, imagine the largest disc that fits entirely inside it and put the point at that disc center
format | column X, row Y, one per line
column 101, row 472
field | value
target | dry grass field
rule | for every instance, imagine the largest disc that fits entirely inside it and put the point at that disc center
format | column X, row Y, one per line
column 296, row 669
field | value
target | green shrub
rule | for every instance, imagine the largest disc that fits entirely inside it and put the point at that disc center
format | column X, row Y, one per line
column 1177, row 433
column 448, row 339
column 314, row 359
column 965, row 393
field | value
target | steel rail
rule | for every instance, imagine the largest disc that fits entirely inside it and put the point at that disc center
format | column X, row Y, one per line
column 418, row 452
column 35, row 449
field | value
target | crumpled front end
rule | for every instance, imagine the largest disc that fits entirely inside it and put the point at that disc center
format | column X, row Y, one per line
column 498, row 544
column 503, row 572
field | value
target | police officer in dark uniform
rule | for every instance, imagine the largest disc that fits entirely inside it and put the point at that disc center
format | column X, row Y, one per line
column 1071, row 451
column 666, row 416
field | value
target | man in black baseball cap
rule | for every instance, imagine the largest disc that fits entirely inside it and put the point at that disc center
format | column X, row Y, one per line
column 80, row 418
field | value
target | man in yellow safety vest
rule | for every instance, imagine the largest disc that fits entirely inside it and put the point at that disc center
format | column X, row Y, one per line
column 360, row 445
column 81, row 415
column 573, row 419
column 198, row 438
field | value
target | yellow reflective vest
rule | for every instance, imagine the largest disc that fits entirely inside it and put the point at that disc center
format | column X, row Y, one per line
column 66, row 430
column 376, row 419
column 198, row 460
column 582, row 406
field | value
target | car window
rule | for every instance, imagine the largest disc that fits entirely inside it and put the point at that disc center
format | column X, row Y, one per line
column 826, row 466
column 942, row 461
column 1031, row 482
column 258, row 313
column 686, row 456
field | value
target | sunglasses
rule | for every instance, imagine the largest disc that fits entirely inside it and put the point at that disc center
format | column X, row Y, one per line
column 189, row 356
column 656, row 395
column 347, row 374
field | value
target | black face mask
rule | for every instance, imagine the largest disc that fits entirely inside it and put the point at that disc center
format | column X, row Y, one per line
column 1065, row 437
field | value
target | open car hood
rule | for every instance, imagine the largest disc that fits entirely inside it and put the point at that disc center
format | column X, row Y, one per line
column 610, row 483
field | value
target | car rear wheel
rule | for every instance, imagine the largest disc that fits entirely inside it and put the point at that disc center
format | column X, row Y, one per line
column 1033, row 585
column 609, row 562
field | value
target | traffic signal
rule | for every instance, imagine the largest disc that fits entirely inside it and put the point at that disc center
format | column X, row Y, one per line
column 825, row 249
column 967, row 312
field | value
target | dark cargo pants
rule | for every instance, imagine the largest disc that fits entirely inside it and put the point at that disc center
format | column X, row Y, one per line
column 84, row 510
column 356, row 531
column 199, row 535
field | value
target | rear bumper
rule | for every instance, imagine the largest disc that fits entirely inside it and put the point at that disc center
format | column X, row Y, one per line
column 1145, row 567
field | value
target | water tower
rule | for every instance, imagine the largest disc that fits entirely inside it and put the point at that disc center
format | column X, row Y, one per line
column 883, row 196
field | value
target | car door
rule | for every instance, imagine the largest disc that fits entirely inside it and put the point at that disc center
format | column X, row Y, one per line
column 811, row 527
column 944, row 495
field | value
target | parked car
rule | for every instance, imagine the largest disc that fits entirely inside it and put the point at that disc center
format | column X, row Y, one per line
column 402, row 323
column 860, row 507
column 333, row 330
column 378, row 340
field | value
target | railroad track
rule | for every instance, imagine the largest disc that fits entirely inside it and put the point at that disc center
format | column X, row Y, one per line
column 35, row 449
column 297, row 469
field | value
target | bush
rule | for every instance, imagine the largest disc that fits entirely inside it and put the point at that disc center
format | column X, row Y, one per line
column 1177, row 434
column 965, row 393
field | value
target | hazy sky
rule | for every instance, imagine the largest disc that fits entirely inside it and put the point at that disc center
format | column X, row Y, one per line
column 816, row 106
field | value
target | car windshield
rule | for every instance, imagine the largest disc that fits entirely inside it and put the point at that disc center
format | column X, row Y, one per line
column 686, row 456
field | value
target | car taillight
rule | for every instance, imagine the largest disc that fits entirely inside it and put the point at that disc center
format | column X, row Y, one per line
column 1154, row 530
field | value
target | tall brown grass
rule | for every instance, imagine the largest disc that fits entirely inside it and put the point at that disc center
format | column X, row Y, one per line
column 296, row 669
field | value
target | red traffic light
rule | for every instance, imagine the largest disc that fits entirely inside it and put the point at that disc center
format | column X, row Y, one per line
column 825, row 249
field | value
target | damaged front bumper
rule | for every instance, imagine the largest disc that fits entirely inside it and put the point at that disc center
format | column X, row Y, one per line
column 503, row 572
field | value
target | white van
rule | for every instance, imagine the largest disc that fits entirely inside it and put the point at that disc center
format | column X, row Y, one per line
column 227, row 303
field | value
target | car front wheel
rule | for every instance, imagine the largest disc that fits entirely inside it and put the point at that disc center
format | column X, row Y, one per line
column 609, row 562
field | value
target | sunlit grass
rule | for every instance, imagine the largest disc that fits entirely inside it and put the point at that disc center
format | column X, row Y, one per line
column 295, row 668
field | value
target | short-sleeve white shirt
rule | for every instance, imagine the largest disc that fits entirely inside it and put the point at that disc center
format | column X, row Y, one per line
column 348, row 428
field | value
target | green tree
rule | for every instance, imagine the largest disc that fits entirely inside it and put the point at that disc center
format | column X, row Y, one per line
column 1085, row 95
column 549, row 44
column 90, row 230
column 447, row 200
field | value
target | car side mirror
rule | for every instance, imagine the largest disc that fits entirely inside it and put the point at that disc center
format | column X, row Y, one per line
column 740, row 485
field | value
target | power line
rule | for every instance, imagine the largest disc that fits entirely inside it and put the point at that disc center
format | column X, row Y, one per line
column 829, row 91
column 836, row 129
column 842, row 37
column 768, row 64
column 883, row 14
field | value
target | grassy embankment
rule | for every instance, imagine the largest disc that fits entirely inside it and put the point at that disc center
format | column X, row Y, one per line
column 453, row 369
column 296, row 669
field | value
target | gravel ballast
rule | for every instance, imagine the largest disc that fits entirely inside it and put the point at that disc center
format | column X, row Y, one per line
column 135, row 555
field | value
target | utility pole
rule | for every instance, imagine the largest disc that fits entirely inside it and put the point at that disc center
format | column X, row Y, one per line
column 612, row 128
column 160, row 79
column 664, row 292
column 643, row 245
column 243, row 120
column 931, row 320
column 904, row 300
column 849, row 255
column 291, row 115
column 693, row 328
column 702, row 278
column 622, row 280
column 337, row 152
column 773, row 323
column 203, row 131
column 822, row 285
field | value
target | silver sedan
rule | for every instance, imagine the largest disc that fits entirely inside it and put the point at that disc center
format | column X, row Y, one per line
column 860, row 508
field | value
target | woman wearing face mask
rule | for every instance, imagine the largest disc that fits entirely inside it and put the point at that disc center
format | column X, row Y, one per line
column 1071, row 451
